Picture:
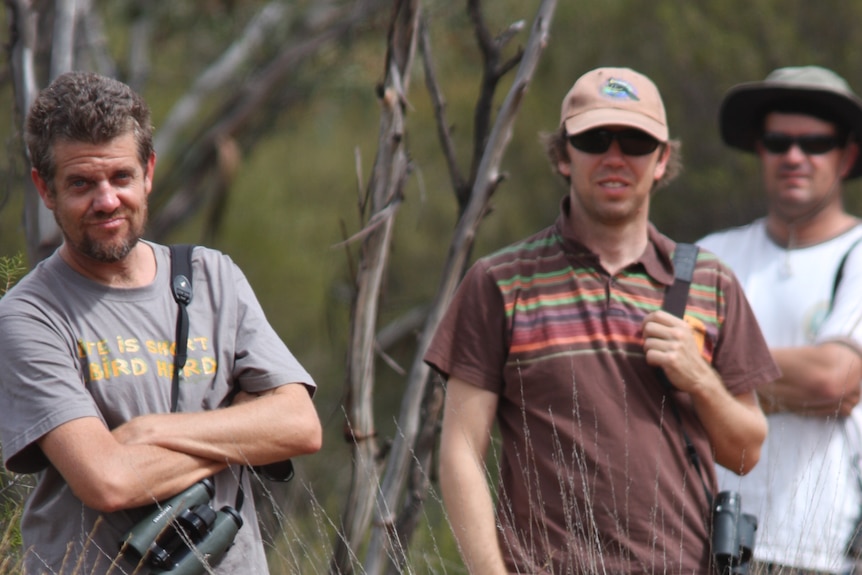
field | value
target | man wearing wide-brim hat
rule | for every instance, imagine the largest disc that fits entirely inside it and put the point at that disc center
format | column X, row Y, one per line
column 802, row 274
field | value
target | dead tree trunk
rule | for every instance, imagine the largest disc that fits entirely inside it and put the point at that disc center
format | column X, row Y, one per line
column 42, row 233
column 411, row 450
column 385, row 193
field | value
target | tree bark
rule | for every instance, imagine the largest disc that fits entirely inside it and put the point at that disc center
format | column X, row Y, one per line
column 219, row 75
column 42, row 234
column 385, row 545
column 385, row 192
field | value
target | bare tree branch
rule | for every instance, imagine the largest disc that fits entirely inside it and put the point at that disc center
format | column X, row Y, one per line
column 405, row 448
column 459, row 185
column 492, row 72
column 22, row 53
column 404, row 326
column 419, row 480
column 222, row 72
column 388, row 176
column 91, row 41
column 187, row 180
column 377, row 219
column 139, row 46
column 63, row 44
column 41, row 230
column 483, row 36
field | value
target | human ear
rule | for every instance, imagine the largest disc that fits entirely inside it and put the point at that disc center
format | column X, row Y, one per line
column 661, row 164
column 43, row 188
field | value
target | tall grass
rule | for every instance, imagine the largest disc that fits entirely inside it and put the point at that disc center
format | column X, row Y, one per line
column 13, row 488
column 298, row 529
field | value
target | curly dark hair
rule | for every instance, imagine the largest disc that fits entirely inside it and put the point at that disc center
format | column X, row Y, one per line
column 84, row 107
column 555, row 148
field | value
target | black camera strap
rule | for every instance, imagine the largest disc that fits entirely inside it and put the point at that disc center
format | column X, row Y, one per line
column 675, row 301
column 181, row 287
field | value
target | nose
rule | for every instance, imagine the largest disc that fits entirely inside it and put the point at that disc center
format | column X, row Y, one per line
column 614, row 153
column 794, row 153
column 106, row 199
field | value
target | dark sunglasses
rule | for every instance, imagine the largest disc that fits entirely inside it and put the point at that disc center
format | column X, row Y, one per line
column 815, row 144
column 598, row 141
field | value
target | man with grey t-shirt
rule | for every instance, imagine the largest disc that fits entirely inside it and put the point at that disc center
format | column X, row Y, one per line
column 87, row 344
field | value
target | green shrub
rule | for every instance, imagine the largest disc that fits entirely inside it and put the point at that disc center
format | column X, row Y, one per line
column 13, row 489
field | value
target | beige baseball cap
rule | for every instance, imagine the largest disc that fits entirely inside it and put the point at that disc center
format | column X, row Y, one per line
column 614, row 97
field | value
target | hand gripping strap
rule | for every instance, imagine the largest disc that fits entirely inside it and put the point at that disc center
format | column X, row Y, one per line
column 675, row 300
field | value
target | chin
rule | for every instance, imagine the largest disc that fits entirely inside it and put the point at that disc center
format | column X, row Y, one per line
column 109, row 252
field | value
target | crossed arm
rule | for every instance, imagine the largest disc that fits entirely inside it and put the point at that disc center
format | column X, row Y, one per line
column 155, row 456
column 819, row 380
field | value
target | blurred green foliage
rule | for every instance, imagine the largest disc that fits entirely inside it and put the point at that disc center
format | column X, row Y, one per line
column 11, row 269
column 12, row 487
column 297, row 191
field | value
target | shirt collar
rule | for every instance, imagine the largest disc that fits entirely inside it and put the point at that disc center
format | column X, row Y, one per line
column 655, row 260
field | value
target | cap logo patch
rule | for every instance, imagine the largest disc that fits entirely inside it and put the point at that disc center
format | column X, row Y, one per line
column 620, row 89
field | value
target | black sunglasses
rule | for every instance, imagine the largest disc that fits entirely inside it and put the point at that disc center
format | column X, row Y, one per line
column 776, row 143
column 598, row 141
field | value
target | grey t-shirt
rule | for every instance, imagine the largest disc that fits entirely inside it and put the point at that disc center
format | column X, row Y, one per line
column 73, row 348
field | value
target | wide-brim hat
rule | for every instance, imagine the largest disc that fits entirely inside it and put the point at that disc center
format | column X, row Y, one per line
column 745, row 105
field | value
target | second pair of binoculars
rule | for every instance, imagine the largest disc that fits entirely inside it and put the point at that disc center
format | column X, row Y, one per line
column 732, row 534
column 183, row 534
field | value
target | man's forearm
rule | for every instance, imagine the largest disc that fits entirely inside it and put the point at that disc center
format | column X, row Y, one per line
column 467, row 420
column 108, row 475
column 736, row 426
column 271, row 428
column 154, row 474
column 470, row 509
column 816, row 380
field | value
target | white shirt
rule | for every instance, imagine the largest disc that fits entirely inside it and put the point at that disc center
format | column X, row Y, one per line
column 805, row 490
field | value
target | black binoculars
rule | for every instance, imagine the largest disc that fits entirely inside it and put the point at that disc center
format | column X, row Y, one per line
column 732, row 534
column 183, row 534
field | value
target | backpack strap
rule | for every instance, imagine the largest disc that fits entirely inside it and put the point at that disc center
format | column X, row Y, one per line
column 676, row 296
column 181, row 288
column 675, row 301
column 840, row 273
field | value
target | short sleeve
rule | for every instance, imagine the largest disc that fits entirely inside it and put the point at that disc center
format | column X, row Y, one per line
column 42, row 389
column 261, row 360
column 844, row 322
column 471, row 341
column 742, row 357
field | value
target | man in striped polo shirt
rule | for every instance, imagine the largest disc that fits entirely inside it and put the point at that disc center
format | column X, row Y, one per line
column 556, row 339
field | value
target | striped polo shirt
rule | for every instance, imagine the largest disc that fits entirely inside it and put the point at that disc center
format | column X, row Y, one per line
column 593, row 470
